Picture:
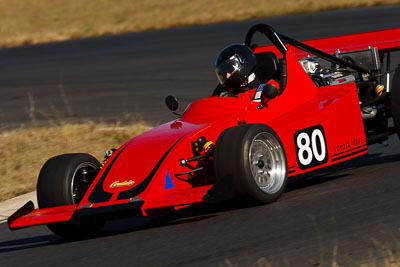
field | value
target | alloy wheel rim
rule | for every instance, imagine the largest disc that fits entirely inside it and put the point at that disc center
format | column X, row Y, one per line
column 267, row 163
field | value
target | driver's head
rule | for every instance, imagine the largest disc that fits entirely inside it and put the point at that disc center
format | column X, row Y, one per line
column 234, row 65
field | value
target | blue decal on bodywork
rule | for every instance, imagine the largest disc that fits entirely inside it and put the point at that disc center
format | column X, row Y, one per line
column 168, row 182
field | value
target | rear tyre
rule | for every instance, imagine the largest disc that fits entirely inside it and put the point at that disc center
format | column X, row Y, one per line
column 395, row 100
column 252, row 157
column 63, row 180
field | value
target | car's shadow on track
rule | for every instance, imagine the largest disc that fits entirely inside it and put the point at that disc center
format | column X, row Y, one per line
column 339, row 171
column 116, row 227
column 128, row 225
column 201, row 211
column 27, row 243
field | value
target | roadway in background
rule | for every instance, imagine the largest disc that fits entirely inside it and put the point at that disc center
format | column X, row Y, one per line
column 108, row 77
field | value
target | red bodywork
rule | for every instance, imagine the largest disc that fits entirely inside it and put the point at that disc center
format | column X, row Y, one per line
column 141, row 174
column 385, row 41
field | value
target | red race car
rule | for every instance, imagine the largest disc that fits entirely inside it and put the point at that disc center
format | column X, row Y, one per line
column 331, row 98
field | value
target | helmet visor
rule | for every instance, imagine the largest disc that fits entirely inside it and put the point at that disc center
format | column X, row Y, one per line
column 227, row 68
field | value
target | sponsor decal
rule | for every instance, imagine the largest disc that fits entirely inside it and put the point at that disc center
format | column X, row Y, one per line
column 257, row 95
column 168, row 182
column 122, row 184
column 350, row 144
column 350, row 148
column 135, row 199
column 138, row 189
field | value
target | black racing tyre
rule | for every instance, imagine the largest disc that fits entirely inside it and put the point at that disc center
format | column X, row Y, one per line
column 252, row 157
column 63, row 180
column 395, row 100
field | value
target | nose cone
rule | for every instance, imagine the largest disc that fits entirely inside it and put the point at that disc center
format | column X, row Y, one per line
column 129, row 173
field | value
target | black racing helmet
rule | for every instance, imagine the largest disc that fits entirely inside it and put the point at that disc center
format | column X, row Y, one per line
column 234, row 64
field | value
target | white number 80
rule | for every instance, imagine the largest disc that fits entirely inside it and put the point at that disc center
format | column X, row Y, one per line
column 303, row 143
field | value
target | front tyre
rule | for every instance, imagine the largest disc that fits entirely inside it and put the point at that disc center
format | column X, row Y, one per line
column 64, row 180
column 253, row 158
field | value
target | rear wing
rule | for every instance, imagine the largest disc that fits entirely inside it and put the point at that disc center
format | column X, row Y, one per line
column 384, row 41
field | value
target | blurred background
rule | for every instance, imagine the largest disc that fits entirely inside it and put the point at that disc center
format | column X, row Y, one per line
column 142, row 51
column 31, row 22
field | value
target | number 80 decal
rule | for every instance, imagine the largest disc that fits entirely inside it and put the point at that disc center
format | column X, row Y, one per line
column 311, row 148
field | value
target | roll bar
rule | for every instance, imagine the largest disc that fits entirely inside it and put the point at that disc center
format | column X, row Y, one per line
column 274, row 37
column 271, row 34
column 279, row 41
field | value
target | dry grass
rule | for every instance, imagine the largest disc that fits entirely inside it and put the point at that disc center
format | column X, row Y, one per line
column 31, row 22
column 24, row 151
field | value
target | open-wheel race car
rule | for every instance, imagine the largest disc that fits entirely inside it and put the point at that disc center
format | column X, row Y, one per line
column 332, row 98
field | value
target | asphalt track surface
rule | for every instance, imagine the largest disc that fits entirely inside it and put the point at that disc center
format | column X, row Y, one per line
column 350, row 216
